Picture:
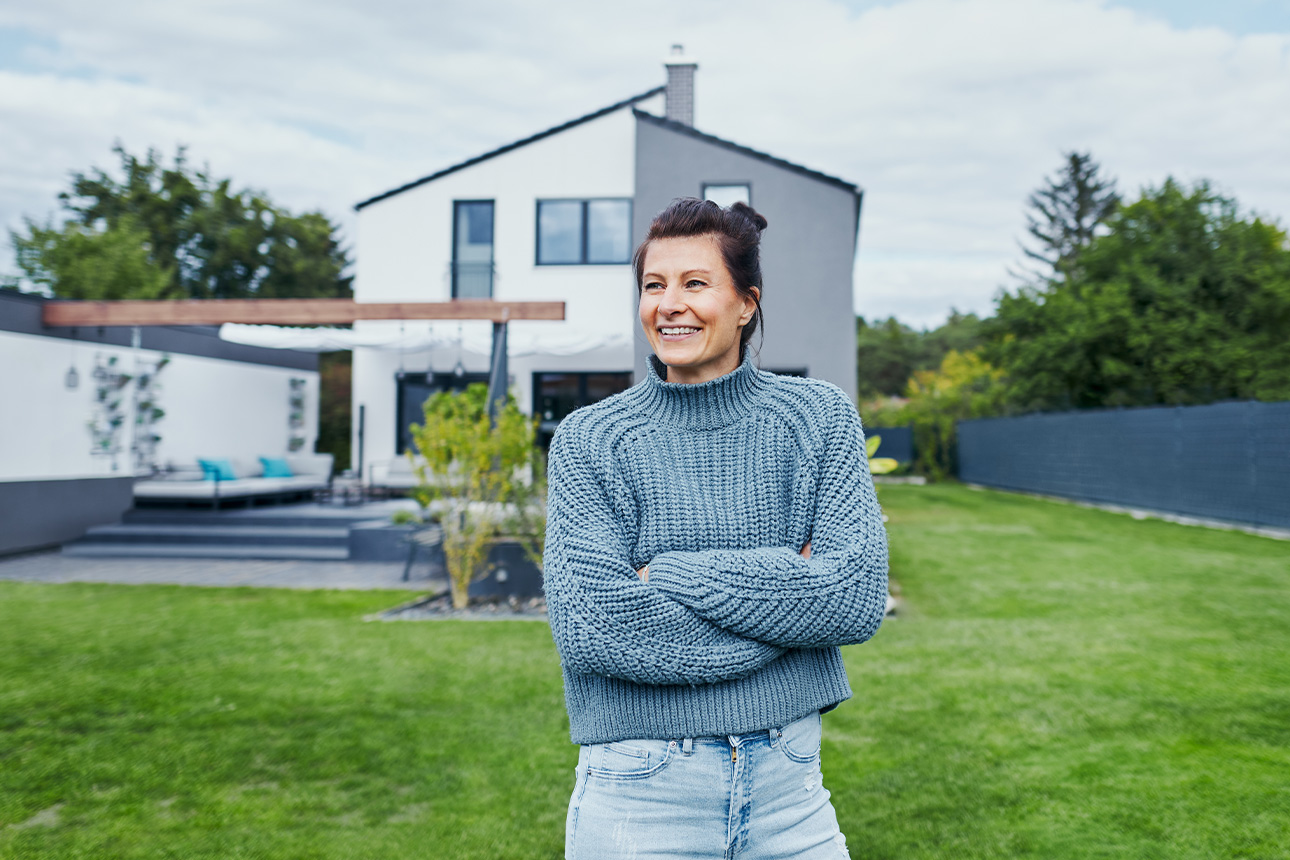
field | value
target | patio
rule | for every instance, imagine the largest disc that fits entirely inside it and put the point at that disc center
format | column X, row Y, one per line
column 54, row 567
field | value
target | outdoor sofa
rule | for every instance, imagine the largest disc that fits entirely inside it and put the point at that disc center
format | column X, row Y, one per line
column 391, row 477
column 244, row 482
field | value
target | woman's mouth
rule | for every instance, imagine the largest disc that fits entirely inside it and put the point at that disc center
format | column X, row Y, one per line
column 676, row 332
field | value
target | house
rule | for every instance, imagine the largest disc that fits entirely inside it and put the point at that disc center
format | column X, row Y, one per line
column 88, row 409
column 556, row 216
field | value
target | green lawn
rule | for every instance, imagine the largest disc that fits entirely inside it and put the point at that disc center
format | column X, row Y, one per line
column 1061, row 683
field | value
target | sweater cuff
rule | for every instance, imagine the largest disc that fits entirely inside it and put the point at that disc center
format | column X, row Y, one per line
column 679, row 575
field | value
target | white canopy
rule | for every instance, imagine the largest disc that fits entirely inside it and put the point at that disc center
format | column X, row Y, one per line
column 530, row 338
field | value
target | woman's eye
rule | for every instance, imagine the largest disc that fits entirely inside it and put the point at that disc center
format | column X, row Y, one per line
column 653, row 286
column 695, row 283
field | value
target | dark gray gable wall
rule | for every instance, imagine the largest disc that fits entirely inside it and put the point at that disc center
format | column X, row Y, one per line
column 808, row 249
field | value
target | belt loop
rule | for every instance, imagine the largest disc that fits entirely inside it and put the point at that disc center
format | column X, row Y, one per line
column 773, row 734
column 687, row 746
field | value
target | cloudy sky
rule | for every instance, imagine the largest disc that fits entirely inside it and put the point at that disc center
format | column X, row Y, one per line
column 948, row 112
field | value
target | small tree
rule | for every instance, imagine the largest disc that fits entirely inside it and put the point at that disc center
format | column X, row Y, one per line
column 965, row 386
column 479, row 479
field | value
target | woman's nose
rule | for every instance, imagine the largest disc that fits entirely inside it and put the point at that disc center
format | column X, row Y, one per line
column 672, row 301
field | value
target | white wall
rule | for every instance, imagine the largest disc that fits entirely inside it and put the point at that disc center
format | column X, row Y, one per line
column 404, row 249
column 214, row 408
column 404, row 243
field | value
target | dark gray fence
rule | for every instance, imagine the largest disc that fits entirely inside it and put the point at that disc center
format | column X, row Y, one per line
column 1227, row 461
column 897, row 442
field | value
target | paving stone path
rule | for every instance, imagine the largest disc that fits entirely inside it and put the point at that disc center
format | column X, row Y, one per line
column 53, row 567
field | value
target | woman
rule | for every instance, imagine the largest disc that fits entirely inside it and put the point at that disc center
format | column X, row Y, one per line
column 713, row 537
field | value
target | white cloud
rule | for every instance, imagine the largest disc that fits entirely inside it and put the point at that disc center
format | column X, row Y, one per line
column 947, row 112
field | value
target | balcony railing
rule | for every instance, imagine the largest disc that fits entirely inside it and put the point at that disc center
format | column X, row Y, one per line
column 472, row 280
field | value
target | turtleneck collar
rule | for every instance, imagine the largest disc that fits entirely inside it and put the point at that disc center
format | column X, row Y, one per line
column 701, row 405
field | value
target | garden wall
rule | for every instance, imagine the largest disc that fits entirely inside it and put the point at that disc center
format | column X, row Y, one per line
column 1225, row 461
column 897, row 442
column 58, row 476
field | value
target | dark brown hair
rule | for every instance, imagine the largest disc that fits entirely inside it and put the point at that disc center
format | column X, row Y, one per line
column 738, row 234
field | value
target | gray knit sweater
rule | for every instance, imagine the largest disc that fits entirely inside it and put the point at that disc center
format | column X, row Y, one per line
column 716, row 486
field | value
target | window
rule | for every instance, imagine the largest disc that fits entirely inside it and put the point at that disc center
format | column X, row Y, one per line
column 577, row 232
column 555, row 395
column 472, row 249
column 414, row 390
column 725, row 194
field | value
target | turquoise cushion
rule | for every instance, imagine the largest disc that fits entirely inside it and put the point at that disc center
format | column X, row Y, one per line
column 276, row 467
column 217, row 470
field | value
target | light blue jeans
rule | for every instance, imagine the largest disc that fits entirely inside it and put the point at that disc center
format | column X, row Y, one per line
column 755, row 796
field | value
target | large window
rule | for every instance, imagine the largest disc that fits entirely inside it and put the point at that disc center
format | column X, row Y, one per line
column 414, row 390
column 577, row 232
column 555, row 395
column 724, row 194
column 472, row 249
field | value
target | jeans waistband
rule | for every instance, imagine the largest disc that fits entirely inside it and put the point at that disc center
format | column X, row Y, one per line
column 769, row 735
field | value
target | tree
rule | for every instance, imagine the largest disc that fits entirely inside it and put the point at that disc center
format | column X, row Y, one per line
column 889, row 352
column 209, row 240
column 335, row 412
column 964, row 386
column 1066, row 213
column 1184, row 300
column 80, row 262
column 479, row 478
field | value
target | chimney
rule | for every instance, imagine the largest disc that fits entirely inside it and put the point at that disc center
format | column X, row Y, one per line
column 679, row 98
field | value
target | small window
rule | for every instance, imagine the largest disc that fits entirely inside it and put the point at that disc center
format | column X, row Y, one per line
column 577, row 232
column 726, row 195
column 472, row 249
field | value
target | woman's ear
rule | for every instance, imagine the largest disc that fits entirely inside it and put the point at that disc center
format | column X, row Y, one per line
column 750, row 305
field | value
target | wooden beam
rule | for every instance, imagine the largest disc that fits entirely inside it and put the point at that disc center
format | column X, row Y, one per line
column 288, row 311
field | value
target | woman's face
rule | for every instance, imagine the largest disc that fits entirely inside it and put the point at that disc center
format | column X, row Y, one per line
column 690, row 309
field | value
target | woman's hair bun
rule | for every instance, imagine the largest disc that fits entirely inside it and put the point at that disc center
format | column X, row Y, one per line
column 759, row 220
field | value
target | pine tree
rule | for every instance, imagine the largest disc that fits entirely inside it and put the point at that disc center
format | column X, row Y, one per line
column 1064, row 215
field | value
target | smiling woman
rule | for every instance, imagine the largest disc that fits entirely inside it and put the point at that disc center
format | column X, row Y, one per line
column 712, row 539
column 691, row 310
column 700, row 259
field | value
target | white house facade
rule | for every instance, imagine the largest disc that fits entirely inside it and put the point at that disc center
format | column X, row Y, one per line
column 556, row 217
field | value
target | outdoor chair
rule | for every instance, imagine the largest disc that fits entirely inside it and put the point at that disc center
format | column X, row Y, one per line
column 427, row 537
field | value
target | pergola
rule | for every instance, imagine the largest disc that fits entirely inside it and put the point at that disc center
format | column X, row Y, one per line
column 137, row 313
column 288, row 311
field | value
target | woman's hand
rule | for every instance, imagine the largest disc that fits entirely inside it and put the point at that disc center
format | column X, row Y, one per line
column 643, row 573
column 805, row 552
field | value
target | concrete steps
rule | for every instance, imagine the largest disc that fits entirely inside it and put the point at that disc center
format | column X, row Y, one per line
column 264, row 553
column 220, row 534
column 305, row 532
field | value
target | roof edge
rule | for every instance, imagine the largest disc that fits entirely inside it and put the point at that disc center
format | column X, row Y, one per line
column 512, row 146
column 691, row 131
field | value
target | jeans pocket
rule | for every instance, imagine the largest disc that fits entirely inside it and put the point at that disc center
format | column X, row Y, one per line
column 630, row 759
column 799, row 741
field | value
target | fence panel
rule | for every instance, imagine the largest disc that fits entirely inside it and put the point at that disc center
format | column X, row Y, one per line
column 897, row 442
column 1227, row 461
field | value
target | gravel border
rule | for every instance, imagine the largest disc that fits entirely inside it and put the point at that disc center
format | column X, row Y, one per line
column 438, row 607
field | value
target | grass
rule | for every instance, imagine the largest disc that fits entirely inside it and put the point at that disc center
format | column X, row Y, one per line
column 1062, row 682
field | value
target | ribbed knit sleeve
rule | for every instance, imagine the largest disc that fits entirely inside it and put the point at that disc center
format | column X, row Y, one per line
column 776, row 596
column 604, row 619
